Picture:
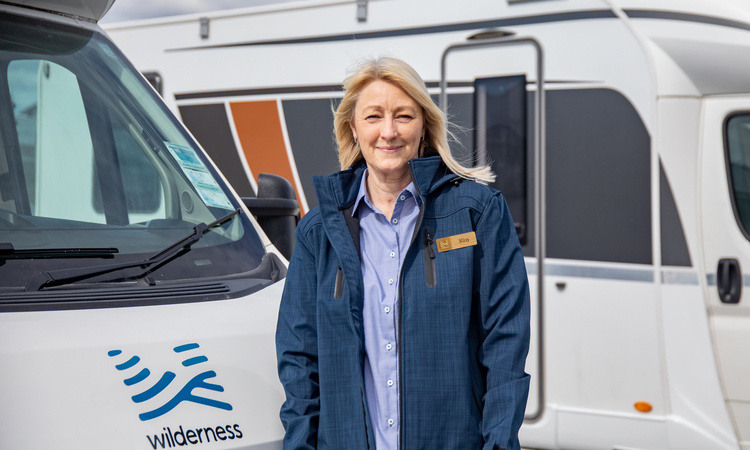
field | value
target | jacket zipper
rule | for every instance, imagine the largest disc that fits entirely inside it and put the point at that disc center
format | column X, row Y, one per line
column 429, row 258
column 400, row 355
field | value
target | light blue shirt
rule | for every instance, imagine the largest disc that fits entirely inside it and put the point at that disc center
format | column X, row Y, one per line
column 383, row 245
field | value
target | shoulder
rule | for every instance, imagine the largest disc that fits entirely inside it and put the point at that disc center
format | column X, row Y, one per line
column 309, row 224
column 464, row 194
column 481, row 192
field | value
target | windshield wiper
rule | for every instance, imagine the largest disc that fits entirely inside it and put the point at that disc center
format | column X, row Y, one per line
column 7, row 251
column 67, row 276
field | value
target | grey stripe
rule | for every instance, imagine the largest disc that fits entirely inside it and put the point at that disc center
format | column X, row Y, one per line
column 528, row 20
column 685, row 17
column 679, row 277
column 711, row 279
column 602, row 272
column 275, row 445
column 667, row 276
column 608, row 273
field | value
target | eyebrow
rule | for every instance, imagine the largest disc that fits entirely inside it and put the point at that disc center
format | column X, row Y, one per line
column 397, row 109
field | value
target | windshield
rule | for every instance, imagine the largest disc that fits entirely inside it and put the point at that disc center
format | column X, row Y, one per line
column 91, row 159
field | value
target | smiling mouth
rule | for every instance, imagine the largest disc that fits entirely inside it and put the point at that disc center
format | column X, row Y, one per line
column 390, row 148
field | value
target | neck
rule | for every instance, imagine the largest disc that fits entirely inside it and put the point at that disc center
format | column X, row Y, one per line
column 384, row 190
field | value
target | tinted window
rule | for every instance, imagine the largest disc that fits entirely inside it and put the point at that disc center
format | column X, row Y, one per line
column 500, row 139
column 738, row 162
column 91, row 159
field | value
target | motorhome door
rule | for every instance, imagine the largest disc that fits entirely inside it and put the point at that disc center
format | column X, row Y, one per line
column 725, row 203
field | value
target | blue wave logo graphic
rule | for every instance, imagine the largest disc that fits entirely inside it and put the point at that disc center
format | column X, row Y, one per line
column 186, row 394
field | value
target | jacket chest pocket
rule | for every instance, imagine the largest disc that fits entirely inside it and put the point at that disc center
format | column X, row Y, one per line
column 450, row 263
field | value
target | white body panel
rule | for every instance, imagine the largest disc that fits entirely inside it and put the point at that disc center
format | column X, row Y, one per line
column 69, row 376
column 607, row 334
column 59, row 361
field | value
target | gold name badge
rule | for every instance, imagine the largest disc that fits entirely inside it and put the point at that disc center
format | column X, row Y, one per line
column 457, row 241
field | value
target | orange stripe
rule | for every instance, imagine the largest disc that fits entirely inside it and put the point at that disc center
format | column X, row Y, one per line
column 259, row 130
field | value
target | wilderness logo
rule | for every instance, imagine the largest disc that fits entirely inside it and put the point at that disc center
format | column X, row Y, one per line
column 195, row 390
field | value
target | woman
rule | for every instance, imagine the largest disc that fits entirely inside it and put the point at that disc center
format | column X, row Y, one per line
column 404, row 321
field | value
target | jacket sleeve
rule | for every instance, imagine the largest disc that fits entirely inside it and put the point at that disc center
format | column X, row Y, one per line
column 503, row 291
column 297, row 350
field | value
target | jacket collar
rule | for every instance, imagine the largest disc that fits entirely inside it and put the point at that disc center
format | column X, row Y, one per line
column 338, row 191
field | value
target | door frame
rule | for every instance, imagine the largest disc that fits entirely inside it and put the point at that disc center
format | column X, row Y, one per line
column 539, row 176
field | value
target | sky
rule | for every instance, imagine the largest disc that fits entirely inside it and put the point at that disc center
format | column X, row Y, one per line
column 146, row 9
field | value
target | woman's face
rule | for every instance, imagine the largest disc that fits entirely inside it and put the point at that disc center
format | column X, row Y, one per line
column 389, row 126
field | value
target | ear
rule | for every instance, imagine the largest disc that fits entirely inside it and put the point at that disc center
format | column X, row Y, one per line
column 354, row 131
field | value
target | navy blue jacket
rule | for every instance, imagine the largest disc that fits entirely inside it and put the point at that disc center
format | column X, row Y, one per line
column 464, row 322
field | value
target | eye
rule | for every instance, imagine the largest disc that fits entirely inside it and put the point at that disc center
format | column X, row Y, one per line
column 372, row 117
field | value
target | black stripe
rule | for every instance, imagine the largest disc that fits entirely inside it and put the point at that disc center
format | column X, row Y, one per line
column 333, row 89
column 674, row 249
column 329, row 88
column 528, row 20
column 685, row 17
column 261, row 91
column 309, row 125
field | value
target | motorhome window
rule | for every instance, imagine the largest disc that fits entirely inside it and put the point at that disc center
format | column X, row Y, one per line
column 738, row 165
column 53, row 134
column 500, row 139
column 145, row 192
column 91, row 158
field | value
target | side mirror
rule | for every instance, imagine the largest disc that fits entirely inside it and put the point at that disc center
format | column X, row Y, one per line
column 276, row 210
column 154, row 78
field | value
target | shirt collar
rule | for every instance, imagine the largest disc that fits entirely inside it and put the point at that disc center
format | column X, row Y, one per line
column 362, row 194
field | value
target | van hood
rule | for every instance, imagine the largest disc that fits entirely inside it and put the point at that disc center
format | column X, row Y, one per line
column 87, row 9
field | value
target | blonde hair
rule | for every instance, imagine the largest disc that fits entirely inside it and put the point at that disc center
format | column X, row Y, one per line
column 404, row 76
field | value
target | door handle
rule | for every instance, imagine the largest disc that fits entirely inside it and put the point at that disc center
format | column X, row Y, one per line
column 729, row 280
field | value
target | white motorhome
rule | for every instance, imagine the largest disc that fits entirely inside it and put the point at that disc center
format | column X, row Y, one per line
column 138, row 295
column 620, row 130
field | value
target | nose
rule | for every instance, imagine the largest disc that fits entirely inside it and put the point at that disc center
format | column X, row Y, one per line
column 388, row 131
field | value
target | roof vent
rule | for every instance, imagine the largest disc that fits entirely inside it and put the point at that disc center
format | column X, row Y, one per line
column 490, row 34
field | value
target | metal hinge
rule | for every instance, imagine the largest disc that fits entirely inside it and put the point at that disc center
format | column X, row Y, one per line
column 204, row 27
column 362, row 10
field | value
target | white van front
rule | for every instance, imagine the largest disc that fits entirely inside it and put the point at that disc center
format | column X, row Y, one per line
column 138, row 297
